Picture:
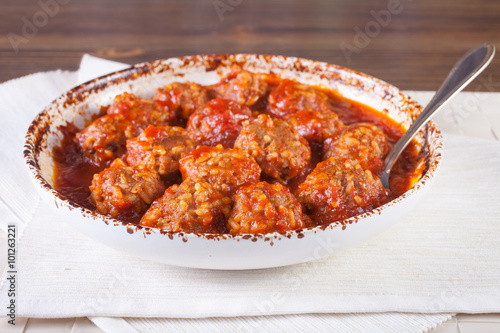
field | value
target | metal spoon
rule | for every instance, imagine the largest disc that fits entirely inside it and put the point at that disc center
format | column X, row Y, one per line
column 465, row 70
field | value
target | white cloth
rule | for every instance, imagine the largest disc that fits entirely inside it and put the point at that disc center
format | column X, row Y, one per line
column 318, row 323
column 92, row 67
column 20, row 100
column 445, row 257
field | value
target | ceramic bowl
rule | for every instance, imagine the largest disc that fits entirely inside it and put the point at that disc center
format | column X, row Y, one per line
column 223, row 251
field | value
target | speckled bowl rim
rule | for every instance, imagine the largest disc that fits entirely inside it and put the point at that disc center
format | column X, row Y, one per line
column 39, row 126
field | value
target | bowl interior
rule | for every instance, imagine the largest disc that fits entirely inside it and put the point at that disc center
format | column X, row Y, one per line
column 81, row 103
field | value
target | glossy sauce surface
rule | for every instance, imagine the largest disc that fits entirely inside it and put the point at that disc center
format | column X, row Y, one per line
column 74, row 173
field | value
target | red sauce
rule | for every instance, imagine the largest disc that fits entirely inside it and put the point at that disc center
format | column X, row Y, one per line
column 74, row 173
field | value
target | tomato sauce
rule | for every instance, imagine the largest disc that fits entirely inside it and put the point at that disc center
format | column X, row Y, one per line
column 74, row 172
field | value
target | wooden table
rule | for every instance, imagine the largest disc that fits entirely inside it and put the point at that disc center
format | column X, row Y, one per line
column 411, row 44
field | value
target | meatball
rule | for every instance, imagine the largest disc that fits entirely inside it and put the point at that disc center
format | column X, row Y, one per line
column 159, row 149
column 337, row 190
column 363, row 143
column 105, row 138
column 315, row 126
column 241, row 86
column 279, row 149
column 124, row 190
column 182, row 98
column 189, row 207
column 226, row 169
column 219, row 122
column 290, row 97
column 265, row 208
column 141, row 112
column 125, row 102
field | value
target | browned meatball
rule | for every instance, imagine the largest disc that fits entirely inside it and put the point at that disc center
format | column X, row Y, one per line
column 182, row 98
column 159, row 148
column 127, row 101
column 363, row 143
column 105, row 138
column 315, row 126
column 123, row 190
column 189, row 207
column 219, row 122
column 290, row 97
column 241, row 86
column 226, row 169
column 337, row 190
column 279, row 149
column 141, row 112
column 265, row 208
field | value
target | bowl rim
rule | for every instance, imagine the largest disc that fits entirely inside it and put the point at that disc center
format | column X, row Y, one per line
column 38, row 127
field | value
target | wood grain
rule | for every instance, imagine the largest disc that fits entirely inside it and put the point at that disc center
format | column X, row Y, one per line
column 413, row 49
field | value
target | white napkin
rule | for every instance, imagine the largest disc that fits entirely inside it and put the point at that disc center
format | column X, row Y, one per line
column 21, row 99
column 440, row 259
column 318, row 323
column 92, row 67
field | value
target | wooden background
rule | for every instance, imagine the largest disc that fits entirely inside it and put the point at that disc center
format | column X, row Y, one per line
column 413, row 49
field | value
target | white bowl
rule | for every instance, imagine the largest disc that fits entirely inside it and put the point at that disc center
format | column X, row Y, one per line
column 223, row 251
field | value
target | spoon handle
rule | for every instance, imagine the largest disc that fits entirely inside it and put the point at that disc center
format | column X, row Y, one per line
column 464, row 71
